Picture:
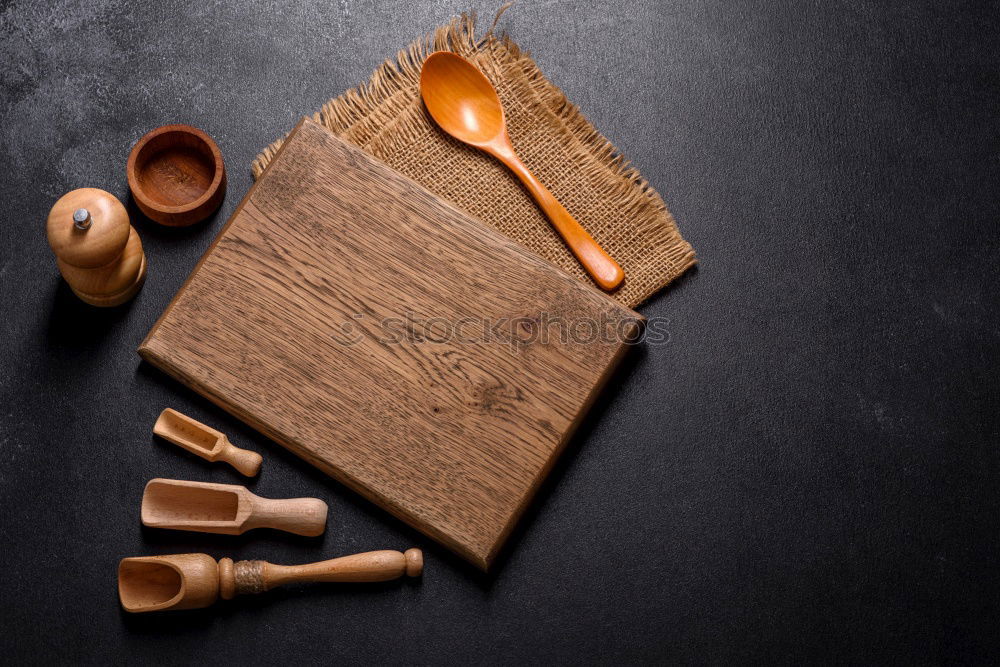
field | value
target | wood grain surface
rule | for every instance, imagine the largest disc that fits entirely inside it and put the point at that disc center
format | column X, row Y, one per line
column 406, row 349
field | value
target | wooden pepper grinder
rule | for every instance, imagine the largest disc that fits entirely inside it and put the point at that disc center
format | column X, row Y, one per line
column 98, row 252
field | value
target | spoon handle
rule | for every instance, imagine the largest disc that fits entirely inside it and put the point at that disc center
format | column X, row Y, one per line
column 301, row 516
column 244, row 460
column 604, row 270
column 257, row 576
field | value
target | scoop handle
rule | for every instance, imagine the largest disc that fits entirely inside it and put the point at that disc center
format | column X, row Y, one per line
column 302, row 516
column 370, row 566
column 604, row 270
column 247, row 462
column 257, row 576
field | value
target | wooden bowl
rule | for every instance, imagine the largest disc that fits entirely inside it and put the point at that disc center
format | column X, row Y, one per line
column 176, row 175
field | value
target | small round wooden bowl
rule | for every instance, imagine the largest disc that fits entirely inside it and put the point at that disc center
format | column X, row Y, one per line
column 176, row 175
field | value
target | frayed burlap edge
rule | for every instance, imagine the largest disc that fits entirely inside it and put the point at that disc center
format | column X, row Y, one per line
column 391, row 89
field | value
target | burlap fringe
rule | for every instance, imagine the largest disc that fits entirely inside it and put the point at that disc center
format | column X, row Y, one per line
column 611, row 174
column 393, row 87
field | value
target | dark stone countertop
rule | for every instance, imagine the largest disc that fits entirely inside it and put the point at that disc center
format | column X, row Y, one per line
column 806, row 471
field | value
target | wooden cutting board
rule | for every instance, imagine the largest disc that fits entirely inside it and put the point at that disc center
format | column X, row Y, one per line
column 406, row 349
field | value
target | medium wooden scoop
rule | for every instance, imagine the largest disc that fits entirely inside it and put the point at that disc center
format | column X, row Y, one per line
column 464, row 103
column 227, row 509
column 205, row 442
column 193, row 581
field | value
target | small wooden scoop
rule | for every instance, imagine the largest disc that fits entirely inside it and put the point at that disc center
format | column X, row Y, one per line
column 193, row 581
column 205, row 442
column 227, row 509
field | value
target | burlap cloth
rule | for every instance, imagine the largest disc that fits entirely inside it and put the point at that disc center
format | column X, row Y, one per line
column 583, row 170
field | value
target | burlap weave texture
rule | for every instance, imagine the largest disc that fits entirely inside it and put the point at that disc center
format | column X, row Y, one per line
column 583, row 170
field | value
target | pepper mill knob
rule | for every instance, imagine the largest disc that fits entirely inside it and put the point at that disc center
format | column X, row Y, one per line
column 98, row 252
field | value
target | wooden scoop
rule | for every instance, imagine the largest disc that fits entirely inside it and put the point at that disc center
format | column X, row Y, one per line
column 464, row 103
column 205, row 442
column 227, row 509
column 193, row 581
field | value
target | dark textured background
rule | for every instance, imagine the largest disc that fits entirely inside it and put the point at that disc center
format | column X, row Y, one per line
column 808, row 470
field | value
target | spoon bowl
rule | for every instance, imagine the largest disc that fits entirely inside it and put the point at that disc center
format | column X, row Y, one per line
column 186, row 432
column 461, row 99
column 159, row 583
column 194, row 506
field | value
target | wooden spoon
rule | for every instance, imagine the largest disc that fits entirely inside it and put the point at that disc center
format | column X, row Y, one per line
column 193, row 581
column 464, row 103
column 227, row 509
column 205, row 442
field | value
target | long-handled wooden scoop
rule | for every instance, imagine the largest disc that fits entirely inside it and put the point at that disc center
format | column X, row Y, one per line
column 193, row 581
column 464, row 103
column 227, row 509
column 205, row 442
